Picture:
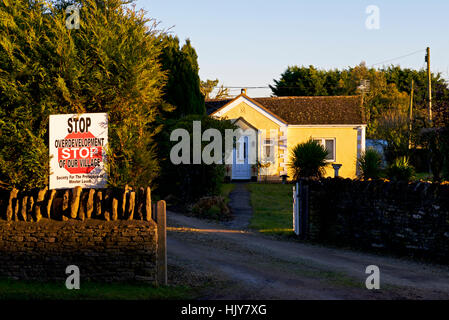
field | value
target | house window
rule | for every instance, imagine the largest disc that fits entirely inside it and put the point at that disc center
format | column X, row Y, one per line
column 329, row 145
column 240, row 149
column 268, row 150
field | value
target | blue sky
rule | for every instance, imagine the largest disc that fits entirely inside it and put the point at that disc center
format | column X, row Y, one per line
column 249, row 43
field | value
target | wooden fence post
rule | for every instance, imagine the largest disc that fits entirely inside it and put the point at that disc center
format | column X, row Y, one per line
column 75, row 202
column 50, row 202
column 90, row 203
column 23, row 210
column 123, row 199
column 131, row 205
column 65, row 205
column 98, row 204
column 148, row 213
column 30, row 208
column 39, row 204
column 161, row 243
column 11, row 202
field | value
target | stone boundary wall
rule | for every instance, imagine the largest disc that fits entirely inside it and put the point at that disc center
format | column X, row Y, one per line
column 411, row 219
column 110, row 234
column 114, row 251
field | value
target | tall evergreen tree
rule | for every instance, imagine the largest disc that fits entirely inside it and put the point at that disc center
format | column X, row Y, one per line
column 183, row 90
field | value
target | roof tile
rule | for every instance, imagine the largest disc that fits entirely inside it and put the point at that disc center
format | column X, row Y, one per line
column 308, row 110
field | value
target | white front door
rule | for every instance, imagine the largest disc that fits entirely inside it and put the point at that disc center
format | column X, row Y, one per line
column 241, row 168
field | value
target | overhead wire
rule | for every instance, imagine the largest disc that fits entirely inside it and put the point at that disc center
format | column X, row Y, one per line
column 295, row 87
column 397, row 58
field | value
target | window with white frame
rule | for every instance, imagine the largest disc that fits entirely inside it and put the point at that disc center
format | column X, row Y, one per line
column 268, row 150
column 329, row 145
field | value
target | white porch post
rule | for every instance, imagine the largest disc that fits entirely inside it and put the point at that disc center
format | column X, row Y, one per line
column 363, row 140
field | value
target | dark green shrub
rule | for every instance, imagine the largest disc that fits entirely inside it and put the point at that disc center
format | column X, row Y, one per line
column 436, row 143
column 46, row 69
column 189, row 182
column 308, row 160
column 400, row 170
column 370, row 164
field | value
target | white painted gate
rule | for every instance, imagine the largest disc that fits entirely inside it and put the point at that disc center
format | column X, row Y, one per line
column 296, row 209
column 301, row 221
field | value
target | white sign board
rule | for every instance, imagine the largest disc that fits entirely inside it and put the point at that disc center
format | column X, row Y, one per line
column 78, row 144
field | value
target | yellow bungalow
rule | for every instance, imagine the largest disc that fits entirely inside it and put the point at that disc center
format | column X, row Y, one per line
column 280, row 123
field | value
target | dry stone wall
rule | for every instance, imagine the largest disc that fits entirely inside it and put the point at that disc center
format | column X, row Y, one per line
column 110, row 234
column 398, row 217
column 104, row 251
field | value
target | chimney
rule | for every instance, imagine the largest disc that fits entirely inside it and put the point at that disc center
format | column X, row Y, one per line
column 243, row 91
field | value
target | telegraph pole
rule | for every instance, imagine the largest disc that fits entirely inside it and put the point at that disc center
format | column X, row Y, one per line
column 410, row 115
column 429, row 79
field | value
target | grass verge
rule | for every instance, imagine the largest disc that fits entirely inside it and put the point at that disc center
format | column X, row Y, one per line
column 34, row 290
column 272, row 208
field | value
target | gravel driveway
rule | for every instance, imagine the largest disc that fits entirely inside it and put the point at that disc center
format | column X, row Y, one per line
column 236, row 264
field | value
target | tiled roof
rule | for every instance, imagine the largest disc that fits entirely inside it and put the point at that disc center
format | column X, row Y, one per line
column 308, row 110
column 215, row 104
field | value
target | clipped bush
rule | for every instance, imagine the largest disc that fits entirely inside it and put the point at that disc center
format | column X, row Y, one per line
column 214, row 208
column 308, row 160
column 370, row 164
column 401, row 170
column 110, row 64
column 190, row 182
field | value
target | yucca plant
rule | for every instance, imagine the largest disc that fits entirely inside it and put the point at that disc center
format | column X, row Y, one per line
column 370, row 164
column 308, row 160
column 401, row 170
